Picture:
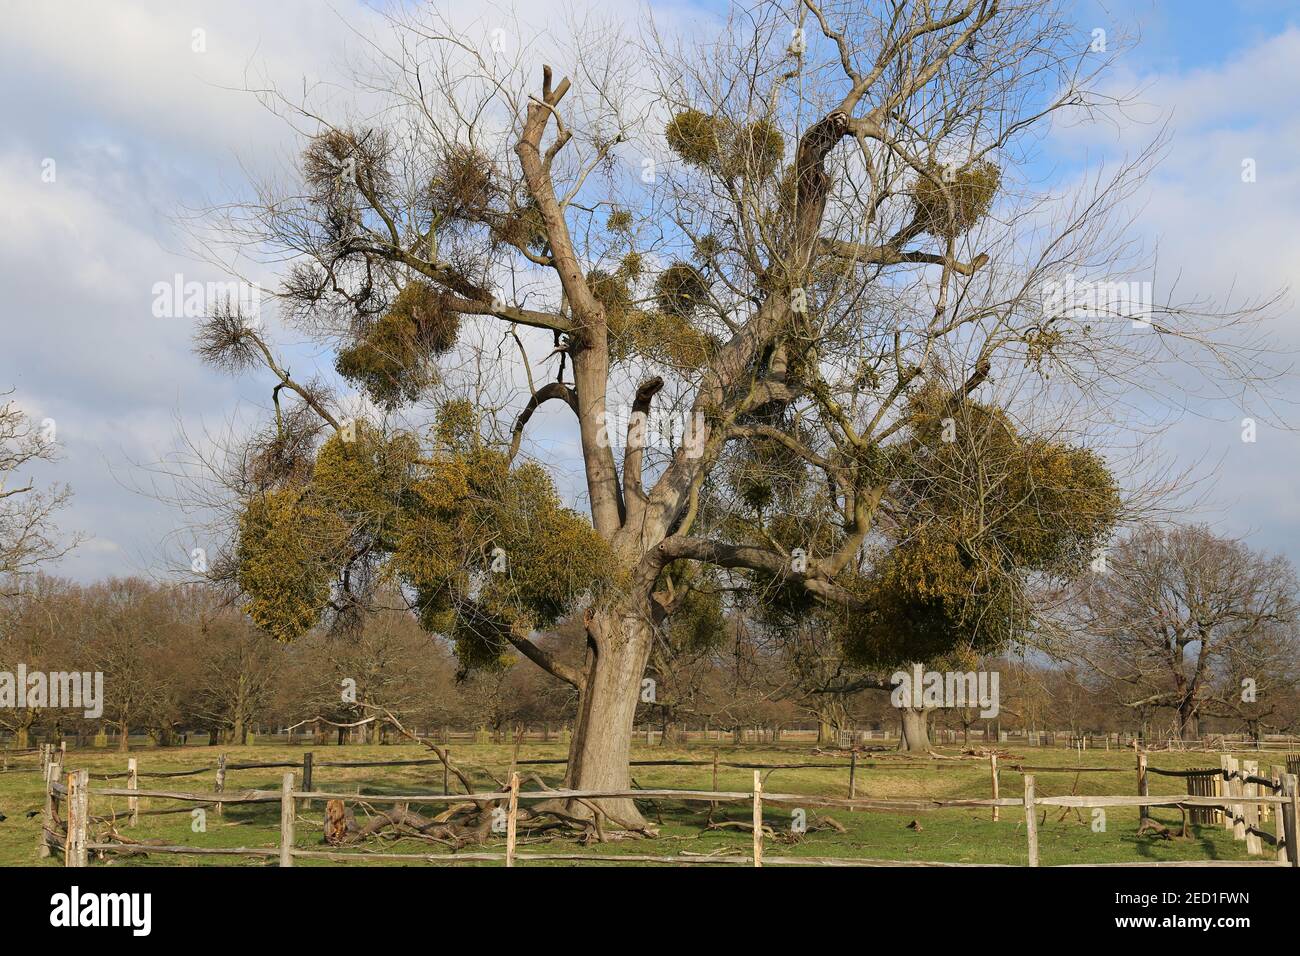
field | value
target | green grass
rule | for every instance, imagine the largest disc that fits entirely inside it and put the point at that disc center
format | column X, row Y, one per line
column 964, row 836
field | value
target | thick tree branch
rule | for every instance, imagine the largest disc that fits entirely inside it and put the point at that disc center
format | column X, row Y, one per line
column 634, row 496
column 552, row 390
column 589, row 349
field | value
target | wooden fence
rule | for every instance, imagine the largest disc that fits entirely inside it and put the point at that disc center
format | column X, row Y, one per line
column 1233, row 778
column 1242, row 803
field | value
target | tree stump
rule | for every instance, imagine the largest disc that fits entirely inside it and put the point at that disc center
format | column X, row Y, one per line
column 336, row 822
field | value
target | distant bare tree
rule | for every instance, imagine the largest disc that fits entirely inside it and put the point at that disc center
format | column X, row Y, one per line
column 235, row 673
column 1180, row 617
column 28, row 537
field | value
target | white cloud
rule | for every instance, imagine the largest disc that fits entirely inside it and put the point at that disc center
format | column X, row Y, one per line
column 1231, row 241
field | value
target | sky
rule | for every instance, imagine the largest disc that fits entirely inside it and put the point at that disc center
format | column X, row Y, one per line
column 120, row 117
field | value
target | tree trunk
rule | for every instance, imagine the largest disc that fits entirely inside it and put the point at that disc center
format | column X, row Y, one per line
column 124, row 736
column 825, row 734
column 1187, row 721
column 916, row 730
column 618, row 648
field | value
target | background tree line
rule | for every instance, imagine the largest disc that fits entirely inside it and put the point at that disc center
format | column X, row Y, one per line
column 1178, row 632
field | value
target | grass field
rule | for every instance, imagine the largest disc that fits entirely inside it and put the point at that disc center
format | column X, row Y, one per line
column 964, row 836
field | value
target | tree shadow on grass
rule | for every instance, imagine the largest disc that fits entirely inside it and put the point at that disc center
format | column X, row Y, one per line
column 1145, row 844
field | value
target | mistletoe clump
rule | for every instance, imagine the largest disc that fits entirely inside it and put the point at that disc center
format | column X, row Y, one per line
column 463, row 186
column 950, row 201
column 392, row 357
column 490, row 550
column 983, row 509
column 724, row 147
column 285, row 559
column 680, row 290
column 664, row 334
column 487, row 549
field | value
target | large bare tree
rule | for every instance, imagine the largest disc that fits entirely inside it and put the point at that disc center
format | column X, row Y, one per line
column 790, row 289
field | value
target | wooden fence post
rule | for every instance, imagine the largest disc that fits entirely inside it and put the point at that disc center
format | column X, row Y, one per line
column 133, row 783
column 306, row 777
column 221, row 779
column 74, row 853
column 1031, row 820
column 512, row 817
column 446, row 764
column 1142, row 785
column 714, row 804
column 286, row 819
column 993, row 767
column 56, row 776
column 1279, row 827
column 1236, row 789
column 1254, row 846
column 47, row 815
column 853, row 775
column 1290, row 812
column 758, row 818
column 1225, row 789
column 70, row 812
